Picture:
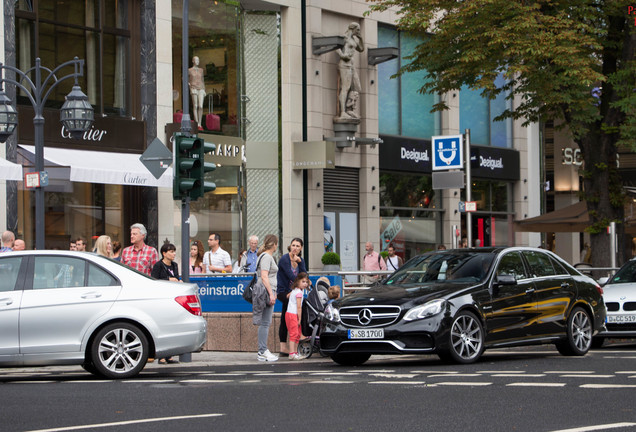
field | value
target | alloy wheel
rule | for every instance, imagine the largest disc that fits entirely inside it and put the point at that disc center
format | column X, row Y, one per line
column 466, row 338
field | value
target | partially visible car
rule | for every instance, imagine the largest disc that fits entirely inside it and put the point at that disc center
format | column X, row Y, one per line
column 619, row 294
column 63, row 308
column 456, row 303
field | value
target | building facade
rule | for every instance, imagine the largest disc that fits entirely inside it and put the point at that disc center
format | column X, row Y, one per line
column 268, row 90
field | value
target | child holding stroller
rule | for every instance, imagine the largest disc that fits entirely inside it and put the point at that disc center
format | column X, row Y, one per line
column 294, row 313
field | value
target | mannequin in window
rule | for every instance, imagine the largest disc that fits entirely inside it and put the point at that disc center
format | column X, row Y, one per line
column 197, row 90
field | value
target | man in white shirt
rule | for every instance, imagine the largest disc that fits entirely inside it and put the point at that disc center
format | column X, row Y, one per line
column 393, row 261
column 216, row 260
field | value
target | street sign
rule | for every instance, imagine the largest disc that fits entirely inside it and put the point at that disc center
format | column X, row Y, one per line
column 462, row 206
column 32, row 180
column 157, row 158
column 471, row 206
column 448, row 179
column 447, row 152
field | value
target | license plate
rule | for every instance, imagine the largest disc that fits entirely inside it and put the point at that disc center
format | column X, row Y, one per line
column 621, row 319
column 366, row 334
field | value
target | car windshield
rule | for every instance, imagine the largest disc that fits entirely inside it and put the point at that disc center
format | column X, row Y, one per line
column 451, row 266
column 625, row 274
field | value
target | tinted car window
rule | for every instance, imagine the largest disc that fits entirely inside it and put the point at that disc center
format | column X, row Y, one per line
column 453, row 266
column 58, row 272
column 9, row 270
column 99, row 277
column 540, row 264
column 625, row 274
column 511, row 264
column 558, row 268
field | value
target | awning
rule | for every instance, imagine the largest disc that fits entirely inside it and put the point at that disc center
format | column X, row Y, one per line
column 10, row 170
column 573, row 218
column 104, row 167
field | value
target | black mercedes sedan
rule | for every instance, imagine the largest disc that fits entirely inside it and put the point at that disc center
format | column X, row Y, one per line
column 456, row 303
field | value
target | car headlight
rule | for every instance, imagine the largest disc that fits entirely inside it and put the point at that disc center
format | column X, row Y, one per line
column 332, row 314
column 426, row 310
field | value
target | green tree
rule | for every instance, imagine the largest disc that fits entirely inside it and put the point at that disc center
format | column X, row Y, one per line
column 567, row 60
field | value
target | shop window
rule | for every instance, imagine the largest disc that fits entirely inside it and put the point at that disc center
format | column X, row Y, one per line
column 213, row 39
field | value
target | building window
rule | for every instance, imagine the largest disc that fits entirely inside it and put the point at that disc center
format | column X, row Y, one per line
column 402, row 109
column 97, row 31
column 213, row 38
column 477, row 113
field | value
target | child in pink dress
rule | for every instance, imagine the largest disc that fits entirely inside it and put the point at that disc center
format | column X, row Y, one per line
column 294, row 313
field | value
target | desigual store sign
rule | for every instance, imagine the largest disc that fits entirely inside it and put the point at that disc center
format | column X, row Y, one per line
column 413, row 155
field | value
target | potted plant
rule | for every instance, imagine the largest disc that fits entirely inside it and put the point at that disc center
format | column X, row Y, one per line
column 330, row 261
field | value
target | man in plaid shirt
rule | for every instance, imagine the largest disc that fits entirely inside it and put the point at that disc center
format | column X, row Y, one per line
column 139, row 256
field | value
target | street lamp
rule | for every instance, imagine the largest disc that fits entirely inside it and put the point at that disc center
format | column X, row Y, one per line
column 76, row 115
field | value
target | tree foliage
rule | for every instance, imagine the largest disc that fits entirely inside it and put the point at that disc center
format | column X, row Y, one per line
column 567, row 60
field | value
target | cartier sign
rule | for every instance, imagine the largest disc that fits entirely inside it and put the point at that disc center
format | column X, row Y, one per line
column 110, row 134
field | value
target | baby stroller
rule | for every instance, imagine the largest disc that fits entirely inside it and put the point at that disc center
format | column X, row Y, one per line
column 312, row 312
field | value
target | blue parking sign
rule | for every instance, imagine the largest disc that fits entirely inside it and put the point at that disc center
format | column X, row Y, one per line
column 448, row 152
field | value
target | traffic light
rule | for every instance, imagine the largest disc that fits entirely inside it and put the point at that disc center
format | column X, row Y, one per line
column 186, row 166
column 205, row 167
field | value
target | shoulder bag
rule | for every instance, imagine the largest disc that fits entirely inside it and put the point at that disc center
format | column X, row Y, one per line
column 248, row 290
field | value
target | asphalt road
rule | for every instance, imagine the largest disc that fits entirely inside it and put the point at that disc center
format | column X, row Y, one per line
column 525, row 389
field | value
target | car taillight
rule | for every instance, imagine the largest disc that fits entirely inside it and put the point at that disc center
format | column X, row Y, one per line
column 599, row 289
column 190, row 303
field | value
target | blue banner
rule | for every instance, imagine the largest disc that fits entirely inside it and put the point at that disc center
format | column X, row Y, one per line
column 225, row 293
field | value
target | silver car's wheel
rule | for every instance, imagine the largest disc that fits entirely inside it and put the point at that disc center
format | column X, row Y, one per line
column 466, row 339
column 119, row 350
column 579, row 334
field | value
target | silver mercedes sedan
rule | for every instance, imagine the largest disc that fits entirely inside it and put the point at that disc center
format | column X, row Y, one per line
column 63, row 308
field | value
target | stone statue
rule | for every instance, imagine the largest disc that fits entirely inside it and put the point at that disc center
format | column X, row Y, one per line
column 197, row 90
column 349, row 80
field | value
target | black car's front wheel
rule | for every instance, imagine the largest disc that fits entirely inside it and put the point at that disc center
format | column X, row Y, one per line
column 350, row 359
column 579, row 334
column 466, row 342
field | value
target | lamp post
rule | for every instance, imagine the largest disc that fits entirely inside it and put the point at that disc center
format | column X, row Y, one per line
column 76, row 115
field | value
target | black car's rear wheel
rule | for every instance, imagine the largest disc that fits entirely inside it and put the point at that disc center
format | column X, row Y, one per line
column 579, row 334
column 466, row 342
column 350, row 359
column 119, row 350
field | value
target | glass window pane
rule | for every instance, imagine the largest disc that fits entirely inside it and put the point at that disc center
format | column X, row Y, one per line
column 115, row 74
column 511, row 264
column 474, row 115
column 58, row 272
column 115, row 15
column 540, row 264
column 99, row 277
column 417, row 120
column 501, row 131
column 388, row 89
column 9, row 271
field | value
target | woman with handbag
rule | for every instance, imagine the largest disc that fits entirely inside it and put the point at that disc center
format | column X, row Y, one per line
column 264, row 295
column 289, row 266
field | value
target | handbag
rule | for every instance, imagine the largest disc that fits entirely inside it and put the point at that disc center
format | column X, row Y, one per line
column 248, row 290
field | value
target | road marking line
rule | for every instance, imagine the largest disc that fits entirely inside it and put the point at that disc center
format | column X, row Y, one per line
column 569, row 372
column 128, row 422
column 509, row 375
column 464, row 383
column 210, row 381
column 330, row 382
column 455, row 375
column 597, row 427
column 403, row 383
column 250, row 381
column 501, row 372
column 88, row 381
column 398, row 376
column 586, row 376
column 373, row 371
column 223, row 374
column 33, row 382
column 150, row 381
column 625, row 372
column 537, row 384
column 607, row 386
column 620, row 357
column 333, row 373
column 283, row 374
column 434, row 372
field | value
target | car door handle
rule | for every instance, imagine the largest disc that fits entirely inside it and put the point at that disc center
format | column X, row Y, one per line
column 6, row 301
column 91, row 295
column 565, row 285
column 529, row 290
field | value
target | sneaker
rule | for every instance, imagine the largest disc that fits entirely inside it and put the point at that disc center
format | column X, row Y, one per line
column 296, row 356
column 266, row 356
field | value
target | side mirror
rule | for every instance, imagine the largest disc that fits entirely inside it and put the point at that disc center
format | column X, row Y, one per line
column 603, row 280
column 505, row 280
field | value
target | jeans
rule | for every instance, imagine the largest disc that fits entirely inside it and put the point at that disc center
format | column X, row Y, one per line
column 282, row 330
column 263, row 328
